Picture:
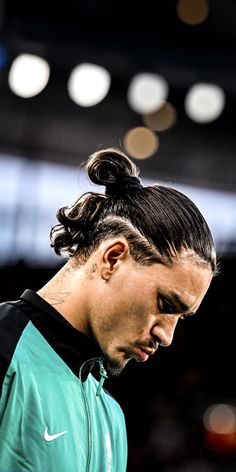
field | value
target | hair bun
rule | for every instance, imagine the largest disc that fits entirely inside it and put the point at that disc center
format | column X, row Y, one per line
column 110, row 166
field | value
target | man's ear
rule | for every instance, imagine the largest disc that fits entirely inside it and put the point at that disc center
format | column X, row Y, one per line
column 113, row 254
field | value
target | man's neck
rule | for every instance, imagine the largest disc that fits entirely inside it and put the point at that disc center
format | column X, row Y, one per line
column 64, row 293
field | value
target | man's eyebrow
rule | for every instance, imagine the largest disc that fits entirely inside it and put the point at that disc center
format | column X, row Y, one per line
column 185, row 308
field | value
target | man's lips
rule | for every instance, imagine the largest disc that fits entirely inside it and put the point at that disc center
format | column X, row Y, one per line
column 143, row 353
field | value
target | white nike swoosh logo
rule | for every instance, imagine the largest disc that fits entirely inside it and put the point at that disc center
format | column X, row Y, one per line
column 51, row 437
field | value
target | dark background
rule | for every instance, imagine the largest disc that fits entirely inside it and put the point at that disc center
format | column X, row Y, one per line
column 164, row 399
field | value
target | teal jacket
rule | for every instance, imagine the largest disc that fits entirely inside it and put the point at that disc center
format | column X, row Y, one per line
column 55, row 415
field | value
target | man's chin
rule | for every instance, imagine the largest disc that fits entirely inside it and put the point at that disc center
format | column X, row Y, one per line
column 113, row 367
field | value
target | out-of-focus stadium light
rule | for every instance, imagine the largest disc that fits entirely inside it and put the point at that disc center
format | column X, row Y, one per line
column 147, row 92
column 162, row 119
column 88, row 84
column 28, row 75
column 204, row 102
column 140, row 142
column 220, row 428
column 192, row 12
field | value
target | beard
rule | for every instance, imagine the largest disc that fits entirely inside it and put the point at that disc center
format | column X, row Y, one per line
column 114, row 368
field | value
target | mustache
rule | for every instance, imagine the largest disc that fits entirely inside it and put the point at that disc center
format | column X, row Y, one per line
column 148, row 344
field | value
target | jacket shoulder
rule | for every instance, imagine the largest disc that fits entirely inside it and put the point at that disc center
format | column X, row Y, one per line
column 12, row 323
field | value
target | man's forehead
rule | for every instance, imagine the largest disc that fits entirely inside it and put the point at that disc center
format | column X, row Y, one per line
column 184, row 281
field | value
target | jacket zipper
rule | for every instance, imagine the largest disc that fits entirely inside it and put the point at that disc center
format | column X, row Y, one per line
column 104, row 376
column 86, row 405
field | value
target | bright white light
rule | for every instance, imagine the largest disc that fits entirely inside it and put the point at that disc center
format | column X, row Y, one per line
column 204, row 102
column 88, row 84
column 147, row 92
column 28, row 75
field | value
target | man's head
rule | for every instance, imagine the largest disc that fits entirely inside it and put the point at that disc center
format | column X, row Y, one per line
column 149, row 254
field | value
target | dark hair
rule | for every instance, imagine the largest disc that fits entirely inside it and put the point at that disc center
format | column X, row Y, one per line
column 157, row 221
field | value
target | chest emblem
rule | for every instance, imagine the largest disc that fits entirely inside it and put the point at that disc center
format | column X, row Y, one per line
column 51, row 437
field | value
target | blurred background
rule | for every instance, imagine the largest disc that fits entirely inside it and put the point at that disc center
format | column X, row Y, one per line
column 157, row 79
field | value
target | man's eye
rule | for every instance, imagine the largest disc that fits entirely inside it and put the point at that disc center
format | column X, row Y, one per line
column 165, row 306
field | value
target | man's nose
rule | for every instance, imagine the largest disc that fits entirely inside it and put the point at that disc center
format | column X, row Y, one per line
column 164, row 329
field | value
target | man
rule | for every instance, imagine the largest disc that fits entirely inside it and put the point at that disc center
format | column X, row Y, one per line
column 140, row 258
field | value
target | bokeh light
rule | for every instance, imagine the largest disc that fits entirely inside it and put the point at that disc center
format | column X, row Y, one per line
column 147, row 92
column 220, row 428
column 140, row 142
column 88, row 84
column 28, row 75
column 204, row 102
column 192, row 12
column 220, row 418
column 161, row 119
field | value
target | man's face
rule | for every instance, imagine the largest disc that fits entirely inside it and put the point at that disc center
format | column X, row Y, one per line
column 138, row 308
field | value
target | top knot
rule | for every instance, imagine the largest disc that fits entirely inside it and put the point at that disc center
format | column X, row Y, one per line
column 112, row 168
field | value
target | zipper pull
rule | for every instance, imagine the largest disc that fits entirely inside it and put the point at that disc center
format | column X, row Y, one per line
column 102, row 379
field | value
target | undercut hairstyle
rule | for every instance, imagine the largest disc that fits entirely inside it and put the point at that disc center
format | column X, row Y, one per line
column 158, row 222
